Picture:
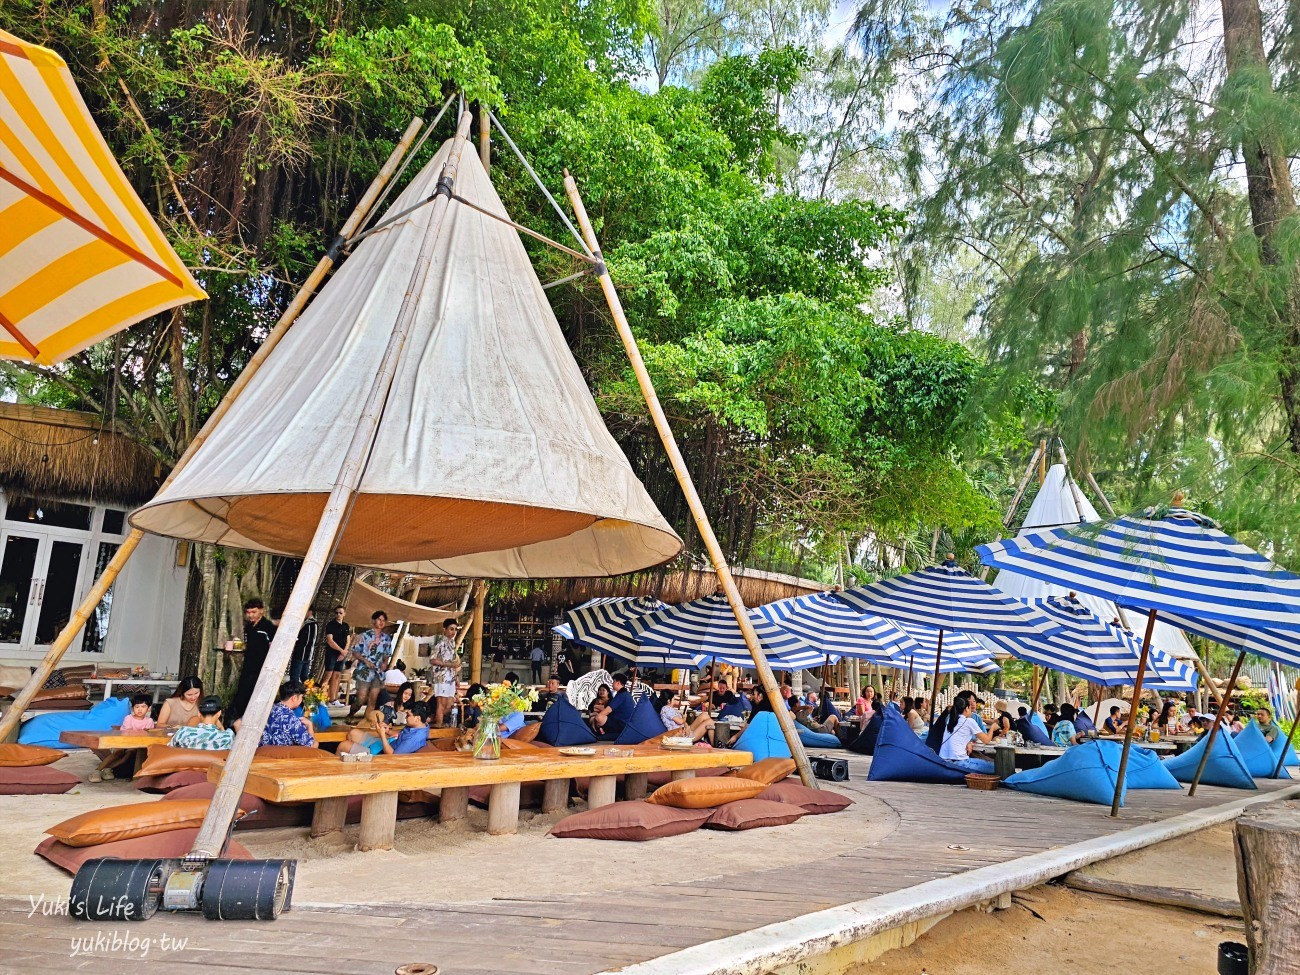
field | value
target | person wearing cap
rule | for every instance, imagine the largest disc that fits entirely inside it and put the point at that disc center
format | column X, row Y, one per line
column 208, row 734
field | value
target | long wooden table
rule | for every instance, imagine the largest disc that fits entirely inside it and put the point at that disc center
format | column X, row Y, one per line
column 380, row 781
column 105, row 740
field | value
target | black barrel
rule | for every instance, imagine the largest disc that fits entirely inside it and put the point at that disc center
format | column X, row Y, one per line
column 118, row 890
column 247, row 890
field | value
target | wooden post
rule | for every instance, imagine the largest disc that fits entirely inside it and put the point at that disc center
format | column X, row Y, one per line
column 503, row 809
column 485, row 138
column 1281, row 759
column 1266, row 844
column 1218, row 720
column 329, row 815
column 555, row 795
column 764, row 669
column 1132, row 716
column 453, row 804
column 225, row 801
column 378, row 821
column 1042, row 461
column 476, row 637
column 601, row 790
column 13, row 717
column 934, row 689
column 911, row 660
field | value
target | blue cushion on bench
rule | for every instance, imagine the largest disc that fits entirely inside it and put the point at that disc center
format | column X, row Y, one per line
column 44, row 729
column 1224, row 768
column 644, row 723
column 563, row 725
column 1280, row 746
column 901, row 756
column 763, row 737
column 1085, row 773
column 1256, row 752
column 817, row 739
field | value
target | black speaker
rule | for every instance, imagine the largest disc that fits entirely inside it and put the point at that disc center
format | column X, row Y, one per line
column 831, row 769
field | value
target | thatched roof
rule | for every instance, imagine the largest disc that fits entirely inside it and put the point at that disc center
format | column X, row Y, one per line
column 66, row 454
column 672, row 586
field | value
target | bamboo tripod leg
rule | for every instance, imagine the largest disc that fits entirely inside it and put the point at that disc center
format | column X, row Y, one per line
column 1132, row 717
column 1218, row 720
column 761, row 665
column 225, row 801
column 12, row 718
column 934, row 684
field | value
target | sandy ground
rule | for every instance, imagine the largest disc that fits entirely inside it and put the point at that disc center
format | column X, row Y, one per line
column 1052, row 929
column 1201, row 863
column 331, row 871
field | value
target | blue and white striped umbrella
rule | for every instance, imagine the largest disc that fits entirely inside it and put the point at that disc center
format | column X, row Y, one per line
column 961, row 652
column 947, row 597
column 1174, row 561
column 610, row 625
column 708, row 628
column 1092, row 649
column 834, row 627
column 1280, row 645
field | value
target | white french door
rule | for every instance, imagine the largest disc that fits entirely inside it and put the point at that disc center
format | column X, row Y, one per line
column 41, row 578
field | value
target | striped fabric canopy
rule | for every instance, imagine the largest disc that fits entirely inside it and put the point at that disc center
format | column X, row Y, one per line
column 947, row 597
column 832, row 626
column 611, row 624
column 708, row 627
column 961, row 652
column 1280, row 645
column 1172, row 560
column 1094, row 650
column 80, row 256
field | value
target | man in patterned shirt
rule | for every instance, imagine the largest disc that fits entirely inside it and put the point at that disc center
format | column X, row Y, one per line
column 284, row 727
column 207, row 734
column 370, row 651
column 444, row 669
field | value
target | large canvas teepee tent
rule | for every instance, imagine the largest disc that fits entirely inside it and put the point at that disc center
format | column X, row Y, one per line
column 490, row 460
column 1059, row 504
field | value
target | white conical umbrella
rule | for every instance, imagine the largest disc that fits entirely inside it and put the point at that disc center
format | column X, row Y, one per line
column 582, row 691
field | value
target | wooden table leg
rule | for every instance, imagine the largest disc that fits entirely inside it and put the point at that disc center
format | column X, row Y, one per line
column 329, row 816
column 685, row 773
column 453, row 805
column 503, row 808
column 600, row 790
column 1004, row 761
column 378, row 821
column 555, row 795
column 636, row 785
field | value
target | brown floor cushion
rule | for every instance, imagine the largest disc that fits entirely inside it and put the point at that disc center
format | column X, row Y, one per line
column 753, row 813
column 35, row 780
column 164, row 759
column 700, row 793
column 124, row 822
column 527, row 733
column 19, row 756
column 630, row 821
column 767, row 771
column 815, row 801
column 656, row 779
column 170, row 781
column 169, row 845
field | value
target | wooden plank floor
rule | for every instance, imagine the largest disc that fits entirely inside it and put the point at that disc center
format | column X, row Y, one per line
column 942, row 831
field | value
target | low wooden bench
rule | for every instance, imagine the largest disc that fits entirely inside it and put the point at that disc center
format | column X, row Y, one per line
column 380, row 781
column 146, row 739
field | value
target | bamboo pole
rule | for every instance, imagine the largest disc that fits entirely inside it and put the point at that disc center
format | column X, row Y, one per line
column 1101, row 496
column 1218, row 720
column 485, row 138
column 476, row 646
column 1042, row 461
column 13, row 717
column 1206, row 679
column 934, row 685
column 911, row 660
column 1015, row 502
column 338, row 507
column 761, row 665
column 1132, row 715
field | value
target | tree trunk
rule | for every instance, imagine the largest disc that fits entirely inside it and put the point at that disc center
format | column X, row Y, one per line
column 1268, row 186
column 1267, row 845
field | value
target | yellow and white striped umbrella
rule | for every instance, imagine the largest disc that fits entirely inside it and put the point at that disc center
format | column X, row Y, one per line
column 80, row 256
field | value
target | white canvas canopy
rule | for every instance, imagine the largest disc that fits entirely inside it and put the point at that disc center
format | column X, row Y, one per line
column 491, row 458
column 1056, row 507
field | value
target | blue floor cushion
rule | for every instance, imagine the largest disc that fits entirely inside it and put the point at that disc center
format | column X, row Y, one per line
column 763, row 737
column 644, row 723
column 1037, row 719
column 1280, row 746
column 563, row 725
column 817, row 739
column 1085, row 773
column 1145, row 770
column 1256, row 752
column 901, row 756
column 736, row 709
column 865, row 743
column 1225, row 767
column 44, row 729
column 1083, row 722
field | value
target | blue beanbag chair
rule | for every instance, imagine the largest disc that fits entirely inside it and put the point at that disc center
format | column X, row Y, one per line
column 901, row 756
column 825, row 708
column 1037, row 719
column 643, row 723
column 1145, row 770
column 1256, row 752
column 817, row 739
column 1225, row 767
column 1280, row 746
column 563, row 725
column 44, row 729
column 1085, row 773
column 736, row 709
column 1031, row 732
column 1082, row 722
column 763, row 737
column 320, row 719
column 865, row 743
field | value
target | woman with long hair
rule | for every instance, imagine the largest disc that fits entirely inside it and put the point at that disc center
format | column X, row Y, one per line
column 960, row 732
column 182, row 708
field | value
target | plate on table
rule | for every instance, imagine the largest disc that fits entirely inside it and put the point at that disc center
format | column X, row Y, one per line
column 576, row 751
column 678, row 744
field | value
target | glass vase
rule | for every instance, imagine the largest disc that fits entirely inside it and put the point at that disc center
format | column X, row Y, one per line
column 487, row 743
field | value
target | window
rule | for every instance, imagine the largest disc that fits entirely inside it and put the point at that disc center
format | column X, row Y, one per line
column 114, row 521
column 48, row 514
column 97, row 625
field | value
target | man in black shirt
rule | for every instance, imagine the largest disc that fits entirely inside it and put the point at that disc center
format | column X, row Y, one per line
column 258, row 634
column 337, row 633
column 722, row 695
column 300, row 663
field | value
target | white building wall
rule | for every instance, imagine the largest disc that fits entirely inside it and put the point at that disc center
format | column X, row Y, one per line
column 144, row 626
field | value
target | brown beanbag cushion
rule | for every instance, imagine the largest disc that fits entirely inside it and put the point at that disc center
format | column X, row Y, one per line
column 815, row 801
column 753, row 813
column 656, row 779
column 164, row 759
column 630, row 821
column 700, row 793
column 767, row 770
column 35, row 780
column 124, row 822
column 21, row 756
column 527, row 733
column 171, row 845
column 171, row 781
column 277, row 752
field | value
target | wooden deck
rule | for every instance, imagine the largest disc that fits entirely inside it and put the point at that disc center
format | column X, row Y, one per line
column 942, row 831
